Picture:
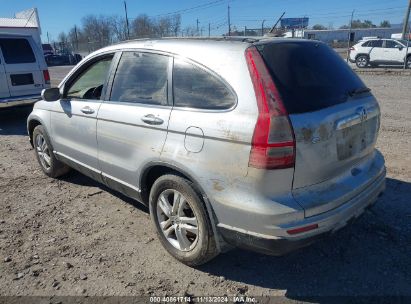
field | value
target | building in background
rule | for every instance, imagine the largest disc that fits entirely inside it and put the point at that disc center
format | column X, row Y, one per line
column 341, row 35
column 26, row 22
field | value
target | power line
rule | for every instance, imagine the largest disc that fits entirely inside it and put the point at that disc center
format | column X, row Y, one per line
column 185, row 10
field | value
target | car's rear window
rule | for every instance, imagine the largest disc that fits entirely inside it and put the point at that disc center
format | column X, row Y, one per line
column 309, row 76
column 16, row 50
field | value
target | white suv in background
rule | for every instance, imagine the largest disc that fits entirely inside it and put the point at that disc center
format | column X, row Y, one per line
column 380, row 51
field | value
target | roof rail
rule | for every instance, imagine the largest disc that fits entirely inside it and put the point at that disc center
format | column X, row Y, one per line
column 249, row 39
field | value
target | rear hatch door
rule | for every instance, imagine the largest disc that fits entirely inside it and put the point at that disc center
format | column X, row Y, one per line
column 335, row 120
column 23, row 73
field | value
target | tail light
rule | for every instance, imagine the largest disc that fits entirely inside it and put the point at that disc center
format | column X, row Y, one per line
column 273, row 143
column 46, row 76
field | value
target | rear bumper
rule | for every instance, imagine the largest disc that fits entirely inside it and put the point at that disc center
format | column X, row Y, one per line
column 327, row 222
column 276, row 247
column 19, row 100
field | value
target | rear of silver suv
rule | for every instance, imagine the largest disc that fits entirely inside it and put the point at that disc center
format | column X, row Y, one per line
column 267, row 144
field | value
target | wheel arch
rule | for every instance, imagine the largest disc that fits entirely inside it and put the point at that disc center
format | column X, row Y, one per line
column 153, row 170
column 31, row 125
column 362, row 54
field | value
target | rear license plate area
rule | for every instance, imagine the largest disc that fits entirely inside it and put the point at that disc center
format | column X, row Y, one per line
column 353, row 140
column 21, row 79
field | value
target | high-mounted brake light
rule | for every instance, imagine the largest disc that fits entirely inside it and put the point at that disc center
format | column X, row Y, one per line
column 273, row 144
column 46, row 76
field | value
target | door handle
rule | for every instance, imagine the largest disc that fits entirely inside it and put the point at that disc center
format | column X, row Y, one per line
column 152, row 120
column 87, row 110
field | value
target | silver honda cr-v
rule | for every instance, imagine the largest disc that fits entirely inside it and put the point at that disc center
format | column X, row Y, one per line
column 265, row 144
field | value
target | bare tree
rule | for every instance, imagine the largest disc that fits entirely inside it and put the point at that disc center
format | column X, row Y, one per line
column 175, row 24
column 119, row 28
column 98, row 30
column 190, row 31
column 385, row 23
column 142, row 27
column 62, row 38
column 319, row 27
column 74, row 37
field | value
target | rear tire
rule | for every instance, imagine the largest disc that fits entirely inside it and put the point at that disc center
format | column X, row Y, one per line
column 50, row 165
column 362, row 61
column 181, row 220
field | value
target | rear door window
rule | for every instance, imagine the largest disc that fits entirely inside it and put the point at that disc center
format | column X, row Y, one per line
column 197, row 88
column 16, row 50
column 376, row 43
column 141, row 78
column 309, row 76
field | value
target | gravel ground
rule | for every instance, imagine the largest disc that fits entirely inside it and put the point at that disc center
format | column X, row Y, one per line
column 72, row 236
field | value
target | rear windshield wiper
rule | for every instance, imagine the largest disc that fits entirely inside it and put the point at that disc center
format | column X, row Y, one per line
column 359, row 91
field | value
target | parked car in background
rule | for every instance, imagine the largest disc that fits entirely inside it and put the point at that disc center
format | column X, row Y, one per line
column 23, row 71
column 63, row 59
column 264, row 144
column 380, row 51
column 47, row 49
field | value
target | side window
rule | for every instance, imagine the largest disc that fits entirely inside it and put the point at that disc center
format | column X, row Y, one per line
column 376, row 43
column 141, row 78
column 17, row 51
column 195, row 88
column 366, row 44
column 390, row 44
column 89, row 84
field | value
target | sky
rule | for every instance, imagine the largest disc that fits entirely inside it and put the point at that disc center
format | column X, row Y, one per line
column 61, row 15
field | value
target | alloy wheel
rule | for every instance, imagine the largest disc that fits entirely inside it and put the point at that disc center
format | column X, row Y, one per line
column 43, row 151
column 362, row 62
column 177, row 220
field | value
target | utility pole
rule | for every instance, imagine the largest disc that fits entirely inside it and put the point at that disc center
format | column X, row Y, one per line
column 198, row 32
column 349, row 35
column 229, row 22
column 406, row 20
column 262, row 28
column 245, row 30
column 48, row 38
column 128, row 29
column 75, row 34
column 209, row 29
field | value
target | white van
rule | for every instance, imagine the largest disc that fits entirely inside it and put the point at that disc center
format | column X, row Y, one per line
column 23, row 70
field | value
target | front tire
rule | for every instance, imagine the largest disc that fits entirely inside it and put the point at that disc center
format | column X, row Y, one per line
column 408, row 63
column 181, row 220
column 51, row 166
column 362, row 61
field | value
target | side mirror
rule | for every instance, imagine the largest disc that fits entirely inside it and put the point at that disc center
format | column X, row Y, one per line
column 51, row 94
column 399, row 47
